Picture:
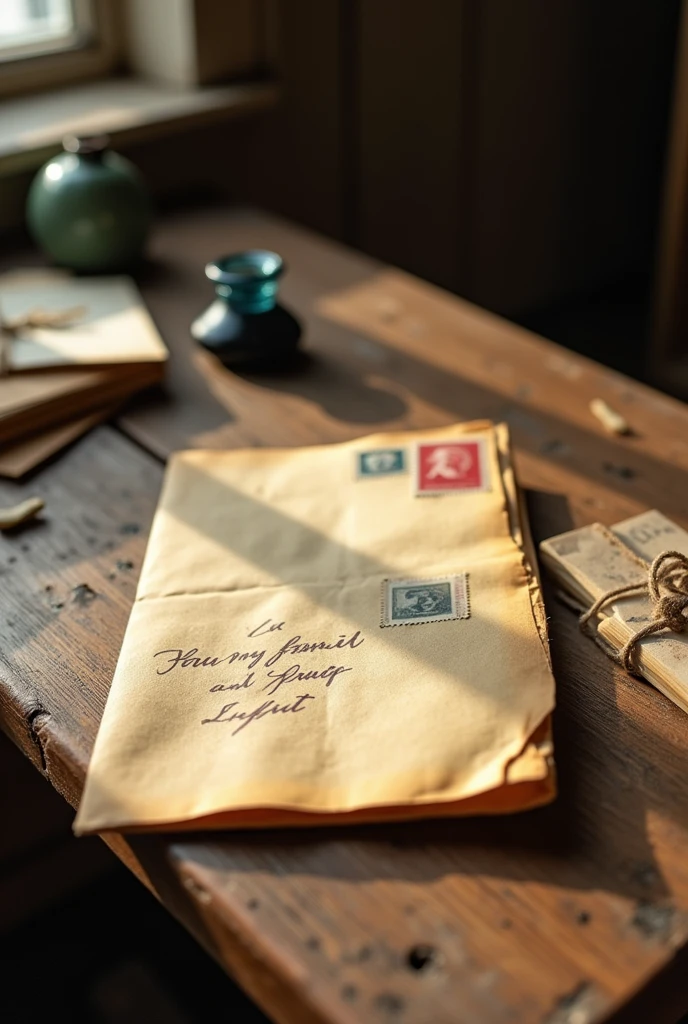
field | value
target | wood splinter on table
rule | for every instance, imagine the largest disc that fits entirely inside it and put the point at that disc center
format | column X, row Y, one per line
column 610, row 419
column 16, row 514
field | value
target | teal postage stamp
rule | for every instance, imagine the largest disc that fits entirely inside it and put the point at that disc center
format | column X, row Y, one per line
column 406, row 602
column 380, row 462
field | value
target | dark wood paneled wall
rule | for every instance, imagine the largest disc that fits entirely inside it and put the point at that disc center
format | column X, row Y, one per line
column 293, row 160
column 510, row 151
column 413, row 159
column 572, row 102
column 669, row 362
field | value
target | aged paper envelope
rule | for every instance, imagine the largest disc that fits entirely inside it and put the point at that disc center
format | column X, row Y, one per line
column 331, row 634
column 114, row 326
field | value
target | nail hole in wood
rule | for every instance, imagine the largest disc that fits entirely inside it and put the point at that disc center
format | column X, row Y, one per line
column 422, row 957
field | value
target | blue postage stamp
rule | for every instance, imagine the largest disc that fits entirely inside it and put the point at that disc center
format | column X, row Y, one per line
column 380, row 462
column 405, row 602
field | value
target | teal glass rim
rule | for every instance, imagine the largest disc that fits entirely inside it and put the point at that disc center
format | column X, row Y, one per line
column 249, row 280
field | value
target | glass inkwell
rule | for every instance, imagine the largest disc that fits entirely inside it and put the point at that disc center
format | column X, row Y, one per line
column 245, row 326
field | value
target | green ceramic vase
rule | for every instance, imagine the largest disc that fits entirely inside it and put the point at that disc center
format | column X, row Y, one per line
column 88, row 208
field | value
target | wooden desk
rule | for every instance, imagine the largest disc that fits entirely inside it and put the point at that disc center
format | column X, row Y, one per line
column 560, row 916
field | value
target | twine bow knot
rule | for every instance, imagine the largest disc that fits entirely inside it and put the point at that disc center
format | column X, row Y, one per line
column 667, row 587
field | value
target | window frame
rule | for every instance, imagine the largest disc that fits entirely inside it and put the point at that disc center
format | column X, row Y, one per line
column 80, row 36
column 101, row 52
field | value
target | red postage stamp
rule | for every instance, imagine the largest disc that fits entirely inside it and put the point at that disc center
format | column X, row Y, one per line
column 447, row 466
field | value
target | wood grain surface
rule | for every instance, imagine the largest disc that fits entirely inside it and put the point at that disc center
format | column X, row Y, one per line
column 572, row 914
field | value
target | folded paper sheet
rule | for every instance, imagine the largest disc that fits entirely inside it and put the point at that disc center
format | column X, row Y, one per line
column 331, row 634
column 112, row 326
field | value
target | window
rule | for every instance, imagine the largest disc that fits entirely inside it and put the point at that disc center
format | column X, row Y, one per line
column 51, row 43
column 44, row 43
column 32, row 27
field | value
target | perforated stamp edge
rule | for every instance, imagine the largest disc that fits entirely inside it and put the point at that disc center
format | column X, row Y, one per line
column 483, row 464
column 402, row 470
column 460, row 598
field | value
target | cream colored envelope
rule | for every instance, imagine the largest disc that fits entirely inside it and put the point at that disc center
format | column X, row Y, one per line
column 328, row 635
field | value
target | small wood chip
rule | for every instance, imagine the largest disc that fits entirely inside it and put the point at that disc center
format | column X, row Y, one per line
column 11, row 517
column 610, row 419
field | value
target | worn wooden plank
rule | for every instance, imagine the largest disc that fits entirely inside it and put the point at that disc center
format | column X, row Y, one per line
column 561, row 915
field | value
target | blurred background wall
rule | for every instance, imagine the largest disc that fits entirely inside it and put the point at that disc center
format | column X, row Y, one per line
column 512, row 152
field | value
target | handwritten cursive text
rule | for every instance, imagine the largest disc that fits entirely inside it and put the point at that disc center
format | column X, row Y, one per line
column 189, row 659
column 294, row 673
column 266, row 627
column 294, row 646
column 268, row 707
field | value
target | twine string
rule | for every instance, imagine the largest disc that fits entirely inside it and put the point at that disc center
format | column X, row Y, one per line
column 667, row 587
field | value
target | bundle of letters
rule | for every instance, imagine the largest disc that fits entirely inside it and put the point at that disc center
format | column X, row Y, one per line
column 71, row 351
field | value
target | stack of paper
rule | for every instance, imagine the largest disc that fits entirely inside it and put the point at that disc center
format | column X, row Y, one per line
column 59, row 380
column 593, row 560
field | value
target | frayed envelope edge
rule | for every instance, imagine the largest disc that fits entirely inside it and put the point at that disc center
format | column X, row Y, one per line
column 530, row 781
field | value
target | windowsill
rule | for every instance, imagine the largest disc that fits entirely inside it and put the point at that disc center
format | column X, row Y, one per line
column 127, row 109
